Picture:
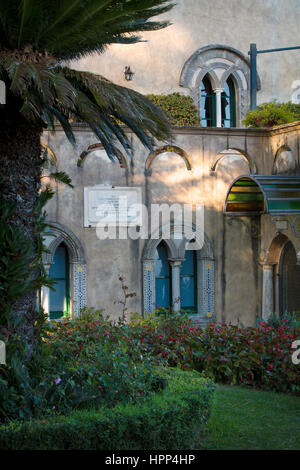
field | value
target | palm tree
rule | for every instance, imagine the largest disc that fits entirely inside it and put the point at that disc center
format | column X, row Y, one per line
column 37, row 38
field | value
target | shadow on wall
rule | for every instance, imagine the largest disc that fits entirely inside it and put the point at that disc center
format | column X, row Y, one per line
column 170, row 180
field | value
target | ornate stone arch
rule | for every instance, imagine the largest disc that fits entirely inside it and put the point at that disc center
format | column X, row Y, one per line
column 176, row 253
column 240, row 84
column 56, row 235
column 276, row 247
column 167, row 148
column 207, row 71
column 152, row 244
column 219, row 61
column 209, row 58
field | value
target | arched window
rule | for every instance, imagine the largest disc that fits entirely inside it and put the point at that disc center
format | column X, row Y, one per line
column 228, row 104
column 162, row 277
column 188, row 282
column 217, row 62
column 172, row 272
column 208, row 104
column 59, row 270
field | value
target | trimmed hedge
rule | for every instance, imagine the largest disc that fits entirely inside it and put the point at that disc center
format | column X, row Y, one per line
column 166, row 421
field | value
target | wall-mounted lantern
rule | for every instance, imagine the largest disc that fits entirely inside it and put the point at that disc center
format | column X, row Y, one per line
column 128, row 73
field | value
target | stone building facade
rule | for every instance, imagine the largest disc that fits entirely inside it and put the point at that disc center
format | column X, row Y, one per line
column 249, row 263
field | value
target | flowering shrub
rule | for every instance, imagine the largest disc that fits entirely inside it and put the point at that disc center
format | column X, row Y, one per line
column 291, row 320
column 116, row 359
column 88, row 364
column 167, row 336
column 258, row 357
column 82, row 365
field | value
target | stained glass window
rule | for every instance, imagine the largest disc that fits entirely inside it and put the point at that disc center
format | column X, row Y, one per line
column 268, row 194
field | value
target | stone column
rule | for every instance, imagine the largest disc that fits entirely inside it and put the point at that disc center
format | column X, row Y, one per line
column 218, row 92
column 268, row 291
column 175, row 267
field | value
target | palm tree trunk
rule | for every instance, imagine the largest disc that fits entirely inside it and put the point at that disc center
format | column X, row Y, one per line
column 20, row 173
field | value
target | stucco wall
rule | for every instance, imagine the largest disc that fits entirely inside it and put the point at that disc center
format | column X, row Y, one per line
column 158, row 62
column 239, row 246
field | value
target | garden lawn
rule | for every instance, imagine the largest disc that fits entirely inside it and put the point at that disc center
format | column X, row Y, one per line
column 247, row 419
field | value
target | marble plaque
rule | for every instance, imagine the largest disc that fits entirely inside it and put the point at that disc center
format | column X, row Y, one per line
column 114, row 206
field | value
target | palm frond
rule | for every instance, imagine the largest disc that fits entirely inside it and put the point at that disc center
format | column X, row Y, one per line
column 62, row 177
column 70, row 29
column 117, row 103
column 60, row 94
column 41, row 33
column 64, row 121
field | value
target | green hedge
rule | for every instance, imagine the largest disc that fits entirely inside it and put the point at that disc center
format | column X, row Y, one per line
column 167, row 421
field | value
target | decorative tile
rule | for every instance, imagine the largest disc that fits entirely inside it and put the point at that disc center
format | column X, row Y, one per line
column 149, row 283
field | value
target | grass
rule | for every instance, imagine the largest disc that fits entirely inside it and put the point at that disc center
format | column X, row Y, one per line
column 247, row 419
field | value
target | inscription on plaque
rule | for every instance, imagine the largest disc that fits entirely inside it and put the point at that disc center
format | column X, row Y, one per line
column 104, row 205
